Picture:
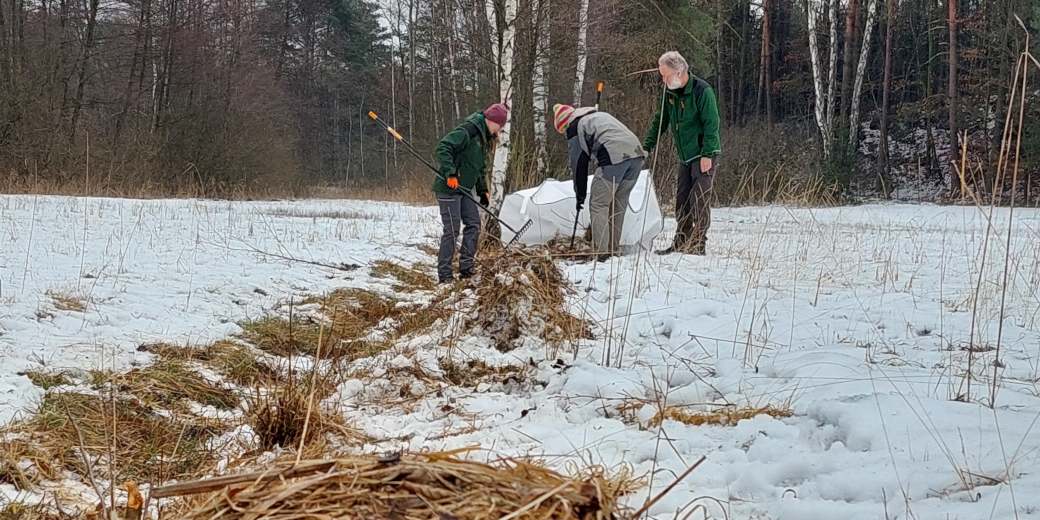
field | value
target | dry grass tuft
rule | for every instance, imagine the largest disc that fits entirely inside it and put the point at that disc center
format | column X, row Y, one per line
column 523, row 295
column 279, row 417
column 230, row 359
column 170, row 382
column 19, row 511
column 24, row 465
column 47, row 381
column 475, row 371
column 146, row 446
column 415, row 278
column 728, row 416
column 64, row 301
column 420, row 488
column 353, row 316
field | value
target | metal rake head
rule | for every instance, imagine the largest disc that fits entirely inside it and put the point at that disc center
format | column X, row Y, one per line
column 520, row 233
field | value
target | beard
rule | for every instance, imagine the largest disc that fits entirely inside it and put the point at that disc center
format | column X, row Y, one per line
column 674, row 84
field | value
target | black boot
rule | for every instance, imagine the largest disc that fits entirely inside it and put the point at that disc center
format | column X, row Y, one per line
column 466, row 274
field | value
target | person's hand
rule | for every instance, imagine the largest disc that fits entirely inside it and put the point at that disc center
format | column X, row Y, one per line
column 485, row 200
column 705, row 164
column 453, row 182
column 578, row 205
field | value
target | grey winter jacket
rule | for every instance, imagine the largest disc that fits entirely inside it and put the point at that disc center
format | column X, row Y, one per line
column 598, row 136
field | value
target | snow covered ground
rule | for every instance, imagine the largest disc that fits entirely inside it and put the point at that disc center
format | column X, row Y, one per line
column 860, row 319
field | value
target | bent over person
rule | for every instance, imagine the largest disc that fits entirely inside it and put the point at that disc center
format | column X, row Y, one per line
column 691, row 114
column 598, row 138
column 461, row 157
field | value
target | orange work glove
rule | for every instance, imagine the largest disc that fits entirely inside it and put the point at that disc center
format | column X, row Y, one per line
column 453, row 183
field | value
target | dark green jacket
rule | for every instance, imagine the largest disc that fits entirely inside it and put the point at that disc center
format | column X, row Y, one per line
column 463, row 153
column 692, row 115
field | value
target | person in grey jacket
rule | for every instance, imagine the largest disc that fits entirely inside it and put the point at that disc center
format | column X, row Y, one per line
column 616, row 155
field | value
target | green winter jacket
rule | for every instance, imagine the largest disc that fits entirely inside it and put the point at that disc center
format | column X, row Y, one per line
column 463, row 153
column 692, row 115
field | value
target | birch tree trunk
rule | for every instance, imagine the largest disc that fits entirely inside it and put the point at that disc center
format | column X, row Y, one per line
column 411, row 69
column 583, row 50
column 851, row 19
column 886, row 88
column 449, row 6
column 505, row 88
column 861, row 69
column 951, row 94
column 540, row 14
column 764, row 65
column 814, row 57
column 496, row 54
column 832, row 81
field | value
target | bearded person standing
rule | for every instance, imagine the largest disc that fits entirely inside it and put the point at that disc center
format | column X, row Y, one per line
column 690, row 112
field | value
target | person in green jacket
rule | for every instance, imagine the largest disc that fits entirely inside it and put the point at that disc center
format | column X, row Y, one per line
column 461, row 158
column 689, row 111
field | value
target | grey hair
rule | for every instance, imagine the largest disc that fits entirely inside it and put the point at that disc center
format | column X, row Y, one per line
column 674, row 61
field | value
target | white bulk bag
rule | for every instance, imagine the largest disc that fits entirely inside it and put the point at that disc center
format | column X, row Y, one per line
column 551, row 207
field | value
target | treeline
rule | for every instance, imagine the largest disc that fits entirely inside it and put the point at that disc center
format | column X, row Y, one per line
column 820, row 98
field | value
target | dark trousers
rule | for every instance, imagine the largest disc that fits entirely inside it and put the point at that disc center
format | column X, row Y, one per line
column 693, row 207
column 457, row 211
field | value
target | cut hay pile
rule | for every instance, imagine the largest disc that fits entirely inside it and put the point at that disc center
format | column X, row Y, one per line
column 430, row 486
column 521, row 296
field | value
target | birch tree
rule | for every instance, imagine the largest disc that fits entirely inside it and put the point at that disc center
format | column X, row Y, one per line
column 824, row 103
column 540, row 14
column 886, row 89
column 820, row 106
column 505, row 89
column 583, row 51
column 951, row 94
column 860, row 72
column 832, row 81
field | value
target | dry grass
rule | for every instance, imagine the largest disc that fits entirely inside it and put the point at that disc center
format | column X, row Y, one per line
column 148, row 189
column 352, row 316
column 19, row 511
column 232, row 360
column 145, row 445
column 64, row 301
column 420, row 488
column 14, row 454
column 413, row 190
column 171, row 382
column 415, row 278
column 522, row 295
column 280, row 417
column 47, row 381
column 475, row 371
column 728, row 416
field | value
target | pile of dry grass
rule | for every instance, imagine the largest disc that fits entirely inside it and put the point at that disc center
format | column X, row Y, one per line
column 420, row 488
column 522, row 295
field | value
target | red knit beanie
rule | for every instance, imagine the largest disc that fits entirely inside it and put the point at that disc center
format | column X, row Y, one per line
column 497, row 113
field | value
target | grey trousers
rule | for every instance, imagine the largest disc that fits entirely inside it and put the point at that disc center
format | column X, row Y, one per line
column 457, row 211
column 608, row 202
